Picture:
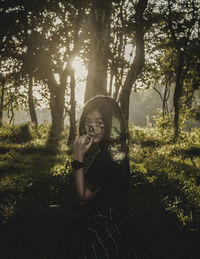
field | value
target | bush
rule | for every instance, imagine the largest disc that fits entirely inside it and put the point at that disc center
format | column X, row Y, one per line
column 44, row 130
column 15, row 133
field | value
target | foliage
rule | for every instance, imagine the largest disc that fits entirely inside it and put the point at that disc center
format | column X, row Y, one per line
column 169, row 167
column 15, row 133
column 165, row 184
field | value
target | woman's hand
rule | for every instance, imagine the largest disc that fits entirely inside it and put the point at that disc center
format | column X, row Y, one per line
column 81, row 146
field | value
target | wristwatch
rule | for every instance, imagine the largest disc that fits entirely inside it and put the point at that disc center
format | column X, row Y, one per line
column 76, row 164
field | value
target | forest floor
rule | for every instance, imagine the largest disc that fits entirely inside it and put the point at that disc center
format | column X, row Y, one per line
column 38, row 201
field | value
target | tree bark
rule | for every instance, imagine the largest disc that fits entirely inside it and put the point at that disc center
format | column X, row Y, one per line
column 99, row 49
column 11, row 120
column 138, row 62
column 31, row 104
column 72, row 112
column 164, row 98
column 57, row 93
column 177, row 94
column 2, row 101
column 180, row 71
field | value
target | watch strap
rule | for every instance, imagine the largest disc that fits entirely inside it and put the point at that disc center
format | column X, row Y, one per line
column 77, row 164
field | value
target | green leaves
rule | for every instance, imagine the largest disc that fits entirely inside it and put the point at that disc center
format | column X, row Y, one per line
column 173, row 169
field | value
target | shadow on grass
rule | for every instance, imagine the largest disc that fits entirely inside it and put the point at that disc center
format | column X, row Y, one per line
column 157, row 231
column 41, row 204
column 188, row 170
column 44, row 210
column 23, row 158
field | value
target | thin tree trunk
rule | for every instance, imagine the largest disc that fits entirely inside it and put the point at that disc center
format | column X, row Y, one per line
column 31, row 104
column 177, row 94
column 118, row 81
column 138, row 62
column 12, row 112
column 72, row 112
column 57, row 91
column 121, row 39
column 180, row 72
column 111, row 83
column 2, row 101
column 165, row 99
column 10, row 106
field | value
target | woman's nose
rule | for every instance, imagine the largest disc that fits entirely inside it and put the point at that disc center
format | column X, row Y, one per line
column 91, row 128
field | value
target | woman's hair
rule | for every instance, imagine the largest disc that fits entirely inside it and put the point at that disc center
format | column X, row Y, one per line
column 114, row 131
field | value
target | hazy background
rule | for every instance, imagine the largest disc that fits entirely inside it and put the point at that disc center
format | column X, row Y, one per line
column 143, row 106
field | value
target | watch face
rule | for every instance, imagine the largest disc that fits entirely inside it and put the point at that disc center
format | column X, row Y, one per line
column 76, row 164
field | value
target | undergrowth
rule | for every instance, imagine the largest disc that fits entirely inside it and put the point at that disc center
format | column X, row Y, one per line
column 38, row 198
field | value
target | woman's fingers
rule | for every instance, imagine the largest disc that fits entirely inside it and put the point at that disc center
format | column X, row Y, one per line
column 89, row 143
column 81, row 145
column 83, row 139
column 87, row 140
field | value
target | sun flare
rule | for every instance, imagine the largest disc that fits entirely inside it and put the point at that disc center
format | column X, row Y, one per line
column 80, row 76
column 79, row 67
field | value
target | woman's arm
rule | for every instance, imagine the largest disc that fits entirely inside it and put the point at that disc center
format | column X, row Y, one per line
column 84, row 191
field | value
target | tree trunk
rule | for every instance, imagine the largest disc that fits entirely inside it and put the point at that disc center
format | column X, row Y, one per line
column 57, row 112
column 57, row 92
column 72, row 112
column 99, row 49
column 165, row 99
column 2, row 101
column 118, row 82
column 11, row 120
column 31, row 104
column 177, row 94
column 138, row 62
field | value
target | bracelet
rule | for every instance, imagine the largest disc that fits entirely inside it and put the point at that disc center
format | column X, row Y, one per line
column 76, row 164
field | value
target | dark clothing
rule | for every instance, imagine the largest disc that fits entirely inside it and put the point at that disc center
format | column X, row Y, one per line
column 105, row 235
column 103, row 232
column 111, row 177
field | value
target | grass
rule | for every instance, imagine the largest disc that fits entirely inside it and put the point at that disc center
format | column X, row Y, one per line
column 38, row 199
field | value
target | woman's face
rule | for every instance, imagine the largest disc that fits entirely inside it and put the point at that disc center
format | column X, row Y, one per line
column 94, row 125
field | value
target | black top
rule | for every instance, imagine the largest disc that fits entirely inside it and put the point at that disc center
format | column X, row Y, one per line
column 111, row 177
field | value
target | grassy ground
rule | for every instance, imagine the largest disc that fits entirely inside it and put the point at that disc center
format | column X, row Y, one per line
column 38, row 201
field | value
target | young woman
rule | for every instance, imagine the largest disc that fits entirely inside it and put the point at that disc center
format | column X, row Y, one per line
column 101, row 174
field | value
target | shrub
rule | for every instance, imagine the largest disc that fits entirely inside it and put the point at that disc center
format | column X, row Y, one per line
column 15, row 133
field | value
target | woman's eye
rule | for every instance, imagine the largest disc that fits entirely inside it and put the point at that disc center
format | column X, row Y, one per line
column 100, row 123
column 97, row 123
